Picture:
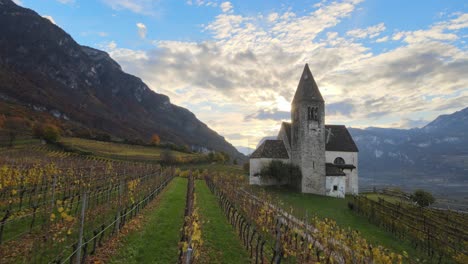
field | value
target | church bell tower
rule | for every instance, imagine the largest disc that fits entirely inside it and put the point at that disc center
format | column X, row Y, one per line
column 308, row 134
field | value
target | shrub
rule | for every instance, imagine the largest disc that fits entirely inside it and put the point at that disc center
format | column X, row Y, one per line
column 422, row 198
column 184, row 174
column 47, row 132
column 167, row 157
column 103, row 137
column 279, row 171
column 246, row 167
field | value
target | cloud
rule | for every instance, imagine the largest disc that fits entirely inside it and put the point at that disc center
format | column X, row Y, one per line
column 340, row 108
column 66, row 1
column 226, row 6
column 273, row 115
column 442, row 31
column 202, row 3
column 411, row 123
column 382, row 39
column 252, row 61
column 94, row 33
column 370, row 32
column 272, row 17
column 50, row 18
column 145, row 7
column 142, row 30
column 18, row 2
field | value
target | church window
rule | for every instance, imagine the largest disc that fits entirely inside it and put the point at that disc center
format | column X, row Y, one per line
column 335, row 187
column 312, row 113
column 339, row 161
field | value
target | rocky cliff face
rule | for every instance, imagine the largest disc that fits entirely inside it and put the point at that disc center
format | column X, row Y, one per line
column 41, row 66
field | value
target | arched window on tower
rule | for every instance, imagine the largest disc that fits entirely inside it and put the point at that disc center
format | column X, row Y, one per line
column 315, row 113
column 339, row 161
column 312, row 113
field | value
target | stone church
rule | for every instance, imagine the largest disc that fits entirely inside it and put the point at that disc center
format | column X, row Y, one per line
column 326, row 154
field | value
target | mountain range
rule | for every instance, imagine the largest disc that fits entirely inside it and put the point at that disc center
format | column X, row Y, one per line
column 42, row 69
column 430, row 157
column 435, row 155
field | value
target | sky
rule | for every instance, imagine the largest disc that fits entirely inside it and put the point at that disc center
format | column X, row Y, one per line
column 236, row 64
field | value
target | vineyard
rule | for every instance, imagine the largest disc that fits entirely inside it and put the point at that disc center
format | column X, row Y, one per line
column 59, row 207
column 442, row 235
column 62, row 207
column 125, row 152
column 272, row 234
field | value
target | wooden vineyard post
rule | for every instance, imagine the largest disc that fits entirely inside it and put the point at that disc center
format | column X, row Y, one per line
column 119, row 204
column 189, row 256
column 277, row 256
column 54, row 183
column 80, row 233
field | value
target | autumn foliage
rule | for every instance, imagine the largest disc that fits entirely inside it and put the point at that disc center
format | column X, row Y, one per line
column 47, row 132
column 155, row 139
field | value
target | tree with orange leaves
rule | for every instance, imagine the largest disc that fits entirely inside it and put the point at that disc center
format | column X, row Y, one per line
column 155, row 139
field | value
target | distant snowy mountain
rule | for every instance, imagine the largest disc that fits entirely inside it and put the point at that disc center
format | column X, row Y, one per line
column 437, row 152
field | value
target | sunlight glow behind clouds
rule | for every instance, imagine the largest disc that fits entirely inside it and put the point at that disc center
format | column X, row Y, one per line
column 249, row 72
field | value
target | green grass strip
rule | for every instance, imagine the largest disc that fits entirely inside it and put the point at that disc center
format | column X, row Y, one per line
column 157, row 241
column 220, row 242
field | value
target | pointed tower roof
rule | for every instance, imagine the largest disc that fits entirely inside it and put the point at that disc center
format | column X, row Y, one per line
column 307, row 89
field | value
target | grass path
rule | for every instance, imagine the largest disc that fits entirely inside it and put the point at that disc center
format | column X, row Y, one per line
column 220, row 242
column 337, row 209
column 157, row 241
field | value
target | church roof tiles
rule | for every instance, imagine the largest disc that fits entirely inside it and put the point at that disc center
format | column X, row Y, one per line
column 307, row 89
column 273, row 149
column 337, row 138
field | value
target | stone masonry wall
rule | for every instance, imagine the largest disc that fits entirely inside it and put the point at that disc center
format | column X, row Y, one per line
column 308, row 148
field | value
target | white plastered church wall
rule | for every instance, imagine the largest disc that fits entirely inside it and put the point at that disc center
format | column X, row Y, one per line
column 352, row 184
column 335, row 186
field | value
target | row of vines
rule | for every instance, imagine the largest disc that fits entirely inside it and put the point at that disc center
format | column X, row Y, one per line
column 442, row 235
column 61, row 208
column 261, row 250
column 190, row 241
column 275, row 236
